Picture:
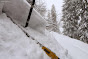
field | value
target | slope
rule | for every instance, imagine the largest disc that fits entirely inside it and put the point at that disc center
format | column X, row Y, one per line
column 76, row 48
column 18, row 13
column 14, row 44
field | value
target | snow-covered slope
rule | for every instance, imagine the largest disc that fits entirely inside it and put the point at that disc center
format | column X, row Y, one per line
column 14, row 44
column 76, row 48
column 48, row 40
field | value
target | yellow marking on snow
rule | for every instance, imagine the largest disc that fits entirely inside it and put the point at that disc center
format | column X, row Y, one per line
column 50, row 53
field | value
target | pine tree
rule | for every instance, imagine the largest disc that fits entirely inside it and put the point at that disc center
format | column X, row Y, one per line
column 53, row 14
column 49, row 15
column 75, row 18
column 40, row 7
column 83, row 25
column 49, row 21
column 70, row 19
column 54, row 19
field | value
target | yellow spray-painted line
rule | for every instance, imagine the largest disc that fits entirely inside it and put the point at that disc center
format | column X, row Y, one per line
column 50, row 53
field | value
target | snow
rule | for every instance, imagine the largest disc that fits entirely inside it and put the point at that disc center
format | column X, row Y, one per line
column 48, row 40
column 37, row 22
column 76, row 48
column 14, row 44
column 18, row 10
column 1, row 7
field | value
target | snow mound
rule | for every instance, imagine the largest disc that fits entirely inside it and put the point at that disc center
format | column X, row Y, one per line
column 14, row 44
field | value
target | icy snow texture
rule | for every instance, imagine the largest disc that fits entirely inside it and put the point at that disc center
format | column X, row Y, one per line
column 14, row 44
column 19, row 10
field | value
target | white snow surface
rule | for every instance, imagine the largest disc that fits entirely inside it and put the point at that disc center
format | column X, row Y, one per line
column 14, row 44
column 49, row 41
column 76, row 48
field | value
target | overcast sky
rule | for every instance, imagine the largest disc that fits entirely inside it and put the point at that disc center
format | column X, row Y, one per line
column 58, row 5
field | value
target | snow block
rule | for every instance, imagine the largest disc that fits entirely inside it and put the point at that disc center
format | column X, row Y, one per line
column 18, row 10
column 37, row 22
